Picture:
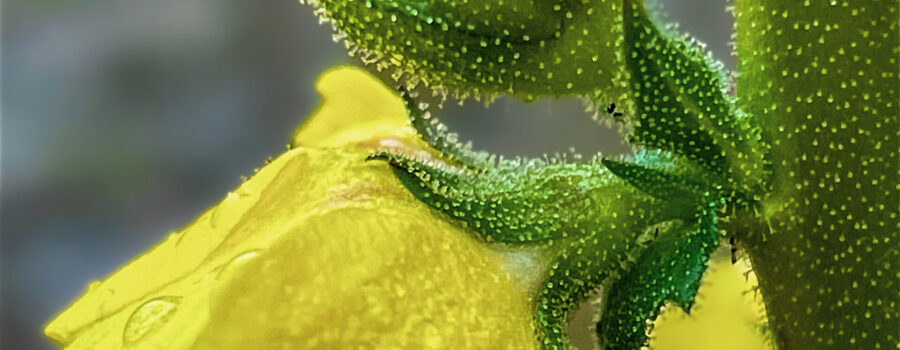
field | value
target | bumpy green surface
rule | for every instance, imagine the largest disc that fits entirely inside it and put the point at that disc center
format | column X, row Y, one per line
column 799, row 166
column 670, row 270
column 524, row 48
column 822, row 79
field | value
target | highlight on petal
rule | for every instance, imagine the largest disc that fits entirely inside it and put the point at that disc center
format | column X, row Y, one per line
column 319, row 249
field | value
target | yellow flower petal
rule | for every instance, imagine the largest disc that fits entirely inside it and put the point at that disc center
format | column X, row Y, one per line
column 355, row 108
column 728, row 314
column 318, row 250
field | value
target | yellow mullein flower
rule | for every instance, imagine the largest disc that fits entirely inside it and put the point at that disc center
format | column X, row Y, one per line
column 320, row 249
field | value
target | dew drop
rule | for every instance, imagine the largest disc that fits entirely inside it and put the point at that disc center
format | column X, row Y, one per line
column 237, row 262
column 148, row 318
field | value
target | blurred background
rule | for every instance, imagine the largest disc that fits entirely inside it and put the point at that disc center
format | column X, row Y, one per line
column 122, row 120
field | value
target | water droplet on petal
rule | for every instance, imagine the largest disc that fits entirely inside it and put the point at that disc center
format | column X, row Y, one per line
column 148, row 318
column 237, row 262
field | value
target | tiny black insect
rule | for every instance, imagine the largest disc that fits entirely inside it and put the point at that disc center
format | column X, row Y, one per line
column 733, row 250
column 611, row 109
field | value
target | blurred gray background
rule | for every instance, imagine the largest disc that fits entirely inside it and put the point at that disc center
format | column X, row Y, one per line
column 122, row 120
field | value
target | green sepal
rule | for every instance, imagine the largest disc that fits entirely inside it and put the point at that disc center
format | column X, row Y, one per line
column 497, row 209
column 423, row 179
column 680, row 193
column 682, row 103
column 670, row 269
